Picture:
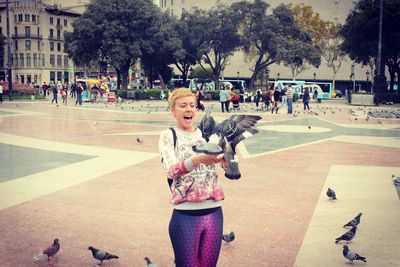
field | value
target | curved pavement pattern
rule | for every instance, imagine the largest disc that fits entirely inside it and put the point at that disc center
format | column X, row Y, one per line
column 78, row 174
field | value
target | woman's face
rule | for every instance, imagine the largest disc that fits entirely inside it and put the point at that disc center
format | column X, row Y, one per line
column 184, row 111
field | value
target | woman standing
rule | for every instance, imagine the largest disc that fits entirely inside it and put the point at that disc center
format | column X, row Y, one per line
column 196, row 224
column 306, row 99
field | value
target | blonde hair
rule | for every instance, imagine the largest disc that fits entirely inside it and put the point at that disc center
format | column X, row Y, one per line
column 178, row 93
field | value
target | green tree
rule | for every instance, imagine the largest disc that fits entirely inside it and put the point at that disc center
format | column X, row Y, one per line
column 117, row 30
column 324, row 34
column 220, row 40
column 360, row 34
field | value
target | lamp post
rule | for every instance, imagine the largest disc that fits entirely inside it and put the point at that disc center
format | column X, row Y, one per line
column 315, row 75
column 9, row 74
column 367, row 73
column 238, row 74
column 353, row 77
column 278, row 75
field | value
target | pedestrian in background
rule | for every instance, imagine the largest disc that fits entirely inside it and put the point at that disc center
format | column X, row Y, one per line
column 79, row 91
column 223, row 97
column 55, row 93
column 289, row 98
column 306, row 99
column 276, row 99
column 1, row 93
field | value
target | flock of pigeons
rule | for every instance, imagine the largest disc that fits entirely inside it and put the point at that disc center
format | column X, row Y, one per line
column 350, row 234
column 97, row 254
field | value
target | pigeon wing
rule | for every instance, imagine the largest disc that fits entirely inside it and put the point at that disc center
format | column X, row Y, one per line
column 236, row 125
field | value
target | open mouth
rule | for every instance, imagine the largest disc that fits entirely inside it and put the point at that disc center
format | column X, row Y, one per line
column 188, row 118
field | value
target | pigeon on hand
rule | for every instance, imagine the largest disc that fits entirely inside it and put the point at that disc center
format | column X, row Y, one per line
column 149, row 262
column 229, row 237
column 139, row 140
column 101, row 255
column 351, row 255
column 230, row 134
column 354, row 222
column 348, row 236
column 331, row 194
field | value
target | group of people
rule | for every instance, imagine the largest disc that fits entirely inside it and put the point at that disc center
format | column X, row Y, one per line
column 76, row 90
column 226, row 96
column 274, row 98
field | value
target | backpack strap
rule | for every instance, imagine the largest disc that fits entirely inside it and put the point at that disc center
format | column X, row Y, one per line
column 169, row 180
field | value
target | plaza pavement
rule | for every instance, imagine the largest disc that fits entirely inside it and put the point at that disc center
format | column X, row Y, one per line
column 78, row 174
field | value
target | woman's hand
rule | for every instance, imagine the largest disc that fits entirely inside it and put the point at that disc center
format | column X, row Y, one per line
column 207, row 159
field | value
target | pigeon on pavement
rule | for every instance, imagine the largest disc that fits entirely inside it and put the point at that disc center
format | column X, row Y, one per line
column 354, row 222
column 53, row 249
column 229, row 237
column 348, row 236
column 351, row 255
column 101, row 255
column 149, row 262
column 331, row 194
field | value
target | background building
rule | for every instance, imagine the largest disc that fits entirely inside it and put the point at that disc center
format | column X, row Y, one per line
column 37, row 39
column 330, row 10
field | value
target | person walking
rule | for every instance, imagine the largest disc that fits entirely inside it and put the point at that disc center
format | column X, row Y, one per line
column 283, row 95
column 223, row 97
column 55, row 93
column 276, row 99
column 230, row 93
column 1, row 93
column 79, row 91
column 258, row 97
column 196, row 224
column 306, row 99
column 289, row 98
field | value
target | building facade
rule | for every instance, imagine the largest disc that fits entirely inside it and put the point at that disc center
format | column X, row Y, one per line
column 331, row 10
column 37, row 39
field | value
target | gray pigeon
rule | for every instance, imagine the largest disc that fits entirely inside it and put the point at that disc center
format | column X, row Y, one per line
column 351, row 255
column 230, row 134
column 101, row 255
column 331, row 194
column 149, row 262
column 53, row 249
column 229, row 237
column 354, row 222
column 348, row 236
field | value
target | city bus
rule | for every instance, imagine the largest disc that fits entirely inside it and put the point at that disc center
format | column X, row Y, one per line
column 324, row 88
column 210, row 85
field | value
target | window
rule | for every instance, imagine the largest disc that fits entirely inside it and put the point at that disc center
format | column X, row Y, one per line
column 59, row 61
column 51, row 34
column 27, row 31
column 65, row 23
column 21, row 60
column 43, row 60
column 65, row 61
column 38, row 45
column 22, row 78
column 1, row 30
column 38, row 32
column 51, row 46
column 16, row 45
column 52, row 61
column 15, row 17
column 172, row 2
column 0, row 18
column 27, row 44
column 16, row 31
column 28, row 78
column 58, row 22
column 59, row 75
column 66, row 77
column 35, row 60
column 27, row 18
column 51, row 21
column 58, row 47
column 52, row 76
column 28, row 60
column 20, row 18
column 58, row 34
column 33, row 18
column 16, row 60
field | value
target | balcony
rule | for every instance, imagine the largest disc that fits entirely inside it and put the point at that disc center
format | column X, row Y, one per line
column 26, row 36
column 59, row 27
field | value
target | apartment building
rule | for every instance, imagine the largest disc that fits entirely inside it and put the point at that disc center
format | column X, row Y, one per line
column 37, row 40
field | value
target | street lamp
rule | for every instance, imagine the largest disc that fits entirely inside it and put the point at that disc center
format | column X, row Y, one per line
column 278, row 75
column 314, row 76
column 353, row 77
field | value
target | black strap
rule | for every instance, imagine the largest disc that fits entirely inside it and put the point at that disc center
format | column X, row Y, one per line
column 169, row 180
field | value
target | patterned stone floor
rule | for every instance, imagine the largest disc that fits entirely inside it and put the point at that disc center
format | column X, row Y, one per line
column 78, row 174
